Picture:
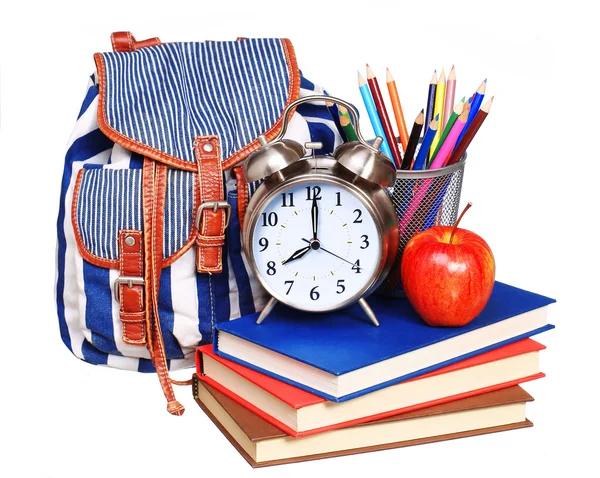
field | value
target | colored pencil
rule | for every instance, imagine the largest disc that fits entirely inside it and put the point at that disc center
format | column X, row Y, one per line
column 449, row 101
column 458, row 109
column 425, row 144
column 415, row 133
column 373, row 116
column 383, row 116
column 438, row 109
column 335, row 116
column 431, row 98
column 397, row 107
column 471, row 131
column 346, row 124
column 477, row 100
column 448, row 145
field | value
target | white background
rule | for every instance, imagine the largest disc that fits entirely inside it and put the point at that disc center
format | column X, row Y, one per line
column 532, row 175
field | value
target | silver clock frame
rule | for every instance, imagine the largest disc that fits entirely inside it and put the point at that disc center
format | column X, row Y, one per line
column 327, row 170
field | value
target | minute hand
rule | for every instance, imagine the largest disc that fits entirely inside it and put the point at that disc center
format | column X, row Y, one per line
column 314, row 214
column 335, row 255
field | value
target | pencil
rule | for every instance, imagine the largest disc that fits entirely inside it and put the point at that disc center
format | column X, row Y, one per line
column 415, row 133
column 471, row 131
column 346, row 124
column 477, row 100
column 448, row 145
column 438, row 109
column 458, row 109
column 383, row 116
column 333, row 111
column 431, row 98
column 373, row 116
column 426, row 143
column 449, row 101
column 397, row 107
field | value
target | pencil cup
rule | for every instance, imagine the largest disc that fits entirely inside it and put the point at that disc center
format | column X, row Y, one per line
column 422, row 199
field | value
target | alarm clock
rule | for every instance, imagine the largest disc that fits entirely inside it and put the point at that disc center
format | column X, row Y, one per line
column 320, row 233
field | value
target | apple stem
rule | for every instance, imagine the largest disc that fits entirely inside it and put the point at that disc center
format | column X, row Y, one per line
column 458, row 220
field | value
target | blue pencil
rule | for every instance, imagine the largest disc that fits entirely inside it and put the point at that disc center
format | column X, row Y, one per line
column 420, row 162
column 373, row 115
column 477, row 100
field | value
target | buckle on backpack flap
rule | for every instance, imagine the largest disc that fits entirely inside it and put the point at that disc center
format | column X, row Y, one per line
column 214, row 205
column 130, row 281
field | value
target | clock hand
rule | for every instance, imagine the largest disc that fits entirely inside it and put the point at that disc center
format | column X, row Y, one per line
column 297, row 255
column 329, row 252
column 314, row 214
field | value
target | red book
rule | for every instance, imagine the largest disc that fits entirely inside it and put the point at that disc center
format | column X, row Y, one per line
column 300, row 413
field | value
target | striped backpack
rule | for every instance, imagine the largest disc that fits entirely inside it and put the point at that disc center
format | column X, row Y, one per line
column 149, row 253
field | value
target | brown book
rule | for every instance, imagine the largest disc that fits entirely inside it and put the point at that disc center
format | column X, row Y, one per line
column 262, row 444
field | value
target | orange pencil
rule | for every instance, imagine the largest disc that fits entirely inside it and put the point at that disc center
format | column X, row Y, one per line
column 383, row 116
column 397, row 106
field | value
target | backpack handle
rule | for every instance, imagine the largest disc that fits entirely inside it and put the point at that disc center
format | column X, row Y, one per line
column 125, row 41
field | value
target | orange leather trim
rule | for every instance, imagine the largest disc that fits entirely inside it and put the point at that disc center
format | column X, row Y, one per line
column 125, row 41
column 242, row 194
column 114, row 263
column 148, row 172
column 153, row 153
column 211, row 238
column 132, row 304
column 293, row 94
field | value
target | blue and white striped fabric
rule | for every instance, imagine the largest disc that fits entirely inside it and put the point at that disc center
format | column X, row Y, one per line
column 190, row 304
column 164, row 96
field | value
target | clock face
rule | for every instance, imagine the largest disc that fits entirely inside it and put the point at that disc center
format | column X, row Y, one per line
column 316, row 272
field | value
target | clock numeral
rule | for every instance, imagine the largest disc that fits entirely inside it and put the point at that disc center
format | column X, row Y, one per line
column 316, row 192
column 271, row 268
column 341, row 286
column 291, row 283
column 285, row 197
column 356, row 266
column 264, row 243
column 339, row 199
column 270, row 220
column 314, row 295
column 365, row 239
column 358, row 213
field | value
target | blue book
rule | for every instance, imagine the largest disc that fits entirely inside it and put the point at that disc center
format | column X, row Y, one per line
column 340, row 355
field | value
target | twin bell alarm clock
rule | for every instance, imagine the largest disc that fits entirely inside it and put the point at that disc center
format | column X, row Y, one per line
column 320, row 232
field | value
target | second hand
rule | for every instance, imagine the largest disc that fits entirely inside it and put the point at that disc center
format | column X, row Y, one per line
column 335, row 255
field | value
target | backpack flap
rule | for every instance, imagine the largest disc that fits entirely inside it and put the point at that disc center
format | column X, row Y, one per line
column 157, row 100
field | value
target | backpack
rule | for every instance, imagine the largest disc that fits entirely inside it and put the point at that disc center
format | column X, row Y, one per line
column 152, row 201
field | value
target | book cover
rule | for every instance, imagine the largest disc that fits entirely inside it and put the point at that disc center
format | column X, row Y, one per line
column 344, row 341
column 298, row 398
column 245, row 430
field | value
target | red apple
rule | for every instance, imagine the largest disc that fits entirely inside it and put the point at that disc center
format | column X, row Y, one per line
column 448, row 274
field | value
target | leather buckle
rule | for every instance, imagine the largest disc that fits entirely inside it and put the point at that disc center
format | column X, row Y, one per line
column 130, row 281
column 214, row 205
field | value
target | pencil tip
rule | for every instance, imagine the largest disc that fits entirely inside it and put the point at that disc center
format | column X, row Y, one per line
column 423, row 109
column 437, row 117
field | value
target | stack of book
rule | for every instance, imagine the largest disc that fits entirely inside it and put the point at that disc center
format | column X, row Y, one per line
column 306, row 386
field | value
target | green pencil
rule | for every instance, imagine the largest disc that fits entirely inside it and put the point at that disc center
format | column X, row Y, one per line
column 347, row 124
column 458, row 109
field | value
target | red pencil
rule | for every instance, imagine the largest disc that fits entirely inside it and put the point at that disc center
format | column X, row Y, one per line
column 383, row 116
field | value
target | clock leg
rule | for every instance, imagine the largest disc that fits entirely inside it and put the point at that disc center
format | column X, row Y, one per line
column 368, row 311
column 267, row 310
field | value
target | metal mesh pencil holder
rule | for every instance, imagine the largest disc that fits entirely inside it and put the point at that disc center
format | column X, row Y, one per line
column 422, row 199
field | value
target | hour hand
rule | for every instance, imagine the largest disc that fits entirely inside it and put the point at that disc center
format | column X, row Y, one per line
column 297, row 255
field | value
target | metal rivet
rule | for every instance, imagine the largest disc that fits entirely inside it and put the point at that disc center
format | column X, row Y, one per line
column 208, row 147
column 130, row 241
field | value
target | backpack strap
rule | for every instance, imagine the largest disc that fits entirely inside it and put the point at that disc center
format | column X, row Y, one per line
column 213, row 214
column 129, row 287
column 125, row 41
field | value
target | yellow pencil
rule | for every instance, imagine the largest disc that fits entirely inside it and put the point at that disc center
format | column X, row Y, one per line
column 438, row 109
